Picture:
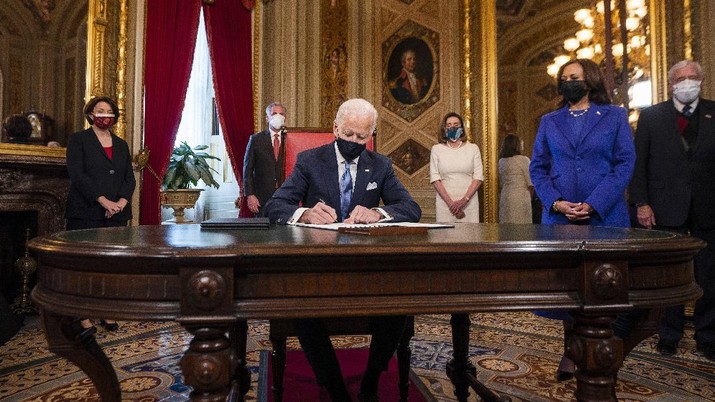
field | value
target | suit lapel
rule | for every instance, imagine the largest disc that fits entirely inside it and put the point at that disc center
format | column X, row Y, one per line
column 98, row 145
column 330, row 179
column 364, row 173
column 706, row 122
column 669, row 120
column 593, row 117
column 561, row 122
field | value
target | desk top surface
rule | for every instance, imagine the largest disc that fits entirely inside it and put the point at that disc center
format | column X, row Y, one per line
column 190, row 239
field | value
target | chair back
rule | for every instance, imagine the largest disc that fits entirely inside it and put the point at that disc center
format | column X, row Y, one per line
column 299, row 139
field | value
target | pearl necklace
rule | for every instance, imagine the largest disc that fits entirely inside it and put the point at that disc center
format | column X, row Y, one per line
column 449, row 144
column 578, row 113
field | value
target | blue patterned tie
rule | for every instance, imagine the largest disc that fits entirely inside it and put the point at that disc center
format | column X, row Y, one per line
column 687, row 110
column 346, row 191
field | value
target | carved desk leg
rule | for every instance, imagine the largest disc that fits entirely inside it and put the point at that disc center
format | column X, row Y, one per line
column 63, row 338
column 210, row 364
column 598, row 355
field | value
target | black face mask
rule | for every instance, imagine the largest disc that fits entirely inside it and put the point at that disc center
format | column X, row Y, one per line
column 348, row 149
column 573, row 91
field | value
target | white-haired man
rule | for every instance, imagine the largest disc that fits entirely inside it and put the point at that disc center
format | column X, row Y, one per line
column 262, row 172
column 673, row 186
column 343, row 181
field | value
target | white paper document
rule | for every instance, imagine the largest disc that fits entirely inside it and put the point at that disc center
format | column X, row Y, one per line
column 338, row 225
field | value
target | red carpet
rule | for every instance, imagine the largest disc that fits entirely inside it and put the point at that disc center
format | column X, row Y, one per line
column 299, row 383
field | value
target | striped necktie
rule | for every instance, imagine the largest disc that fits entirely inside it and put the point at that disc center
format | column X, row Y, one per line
column 346, row 191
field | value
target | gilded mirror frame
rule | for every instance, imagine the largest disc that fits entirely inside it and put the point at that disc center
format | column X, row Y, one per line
column 97, row 24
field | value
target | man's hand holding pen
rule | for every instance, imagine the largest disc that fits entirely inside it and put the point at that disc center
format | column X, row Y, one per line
column 320, row 214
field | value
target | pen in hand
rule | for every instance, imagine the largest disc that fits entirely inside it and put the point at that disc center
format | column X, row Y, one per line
column 320, row 200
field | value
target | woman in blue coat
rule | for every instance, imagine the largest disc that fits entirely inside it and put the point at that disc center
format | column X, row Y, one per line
column 583, row 161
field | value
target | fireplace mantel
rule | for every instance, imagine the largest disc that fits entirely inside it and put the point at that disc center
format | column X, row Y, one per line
column 35, row 183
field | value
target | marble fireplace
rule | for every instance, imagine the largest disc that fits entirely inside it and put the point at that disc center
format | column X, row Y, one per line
column 33, row 193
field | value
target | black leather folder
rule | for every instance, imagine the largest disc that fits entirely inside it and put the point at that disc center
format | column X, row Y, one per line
column 235, row 223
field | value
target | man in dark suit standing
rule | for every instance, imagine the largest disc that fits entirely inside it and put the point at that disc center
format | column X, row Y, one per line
column 343, row 181
column 262, row 170
column 673, row 188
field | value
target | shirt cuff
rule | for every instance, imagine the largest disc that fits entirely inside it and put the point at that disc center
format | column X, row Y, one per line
column 385, row 216
column 296, row 215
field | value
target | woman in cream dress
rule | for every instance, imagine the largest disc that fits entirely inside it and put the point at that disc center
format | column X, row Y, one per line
column 456, row 172
column 516, row 187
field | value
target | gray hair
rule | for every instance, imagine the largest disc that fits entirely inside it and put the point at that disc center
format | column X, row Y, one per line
column 356, row 107
column 404, row 55
column 272, row 105
column 683, row 64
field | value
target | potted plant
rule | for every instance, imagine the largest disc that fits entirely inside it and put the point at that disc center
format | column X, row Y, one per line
column 186, row 167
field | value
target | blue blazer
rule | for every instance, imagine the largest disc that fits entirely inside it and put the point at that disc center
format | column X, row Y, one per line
column 315, row 178
column 594, row 167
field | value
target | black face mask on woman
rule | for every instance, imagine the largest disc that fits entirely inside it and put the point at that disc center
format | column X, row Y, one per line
column 348, row 149
column 573, row 90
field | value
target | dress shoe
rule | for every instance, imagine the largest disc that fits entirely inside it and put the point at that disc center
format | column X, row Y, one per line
column 109, row 326
column 562, row 376
column 565, row 370
column 84, row 335
column 667, row 347
column 707, row 350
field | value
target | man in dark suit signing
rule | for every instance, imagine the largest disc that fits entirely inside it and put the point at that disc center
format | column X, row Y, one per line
column 673, row 188
column 344, row 182
column 262, row 169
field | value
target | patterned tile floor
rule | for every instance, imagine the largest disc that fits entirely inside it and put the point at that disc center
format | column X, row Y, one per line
column 516, row 354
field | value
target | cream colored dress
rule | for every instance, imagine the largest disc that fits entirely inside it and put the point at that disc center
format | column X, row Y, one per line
column 515, row 198
column 456, row 167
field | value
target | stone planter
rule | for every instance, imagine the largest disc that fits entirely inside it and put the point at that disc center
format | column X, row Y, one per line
column 179, row 200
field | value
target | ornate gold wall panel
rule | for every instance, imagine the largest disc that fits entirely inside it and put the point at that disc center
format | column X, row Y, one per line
column 408, row 126
column 485, row 101
column 290, row 60
column 704, row 39
column 334, row 51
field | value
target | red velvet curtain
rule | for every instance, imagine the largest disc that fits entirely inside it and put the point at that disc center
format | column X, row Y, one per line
column 170, row 40
column 228, row 25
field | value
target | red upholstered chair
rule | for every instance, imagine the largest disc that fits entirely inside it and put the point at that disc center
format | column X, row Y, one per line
column 295, row 141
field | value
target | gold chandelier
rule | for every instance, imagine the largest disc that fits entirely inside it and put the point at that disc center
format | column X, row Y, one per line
column 621, row 28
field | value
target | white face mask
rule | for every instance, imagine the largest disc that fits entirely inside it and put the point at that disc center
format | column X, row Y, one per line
column 686, row 91
column 276, row 121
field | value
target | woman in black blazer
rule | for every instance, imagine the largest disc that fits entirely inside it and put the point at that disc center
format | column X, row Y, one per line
column 101, row 177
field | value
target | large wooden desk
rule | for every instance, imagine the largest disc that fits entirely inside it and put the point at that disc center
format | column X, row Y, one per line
column 212, row 281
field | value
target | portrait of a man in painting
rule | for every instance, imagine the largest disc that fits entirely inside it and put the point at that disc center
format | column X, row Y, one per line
column 410, row 70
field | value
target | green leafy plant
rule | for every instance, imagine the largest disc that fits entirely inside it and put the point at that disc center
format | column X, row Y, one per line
column 187, row 166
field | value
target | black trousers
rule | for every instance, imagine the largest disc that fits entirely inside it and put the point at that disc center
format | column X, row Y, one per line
column 313, row 336
column 673, row 318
